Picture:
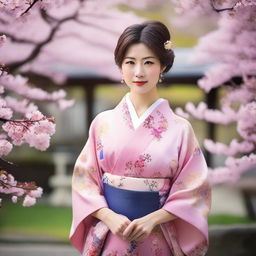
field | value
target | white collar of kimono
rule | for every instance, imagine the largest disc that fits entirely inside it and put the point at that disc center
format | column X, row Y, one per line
column 139, row 120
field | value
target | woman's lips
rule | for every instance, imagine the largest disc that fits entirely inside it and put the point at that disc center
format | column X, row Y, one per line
column 139, row 83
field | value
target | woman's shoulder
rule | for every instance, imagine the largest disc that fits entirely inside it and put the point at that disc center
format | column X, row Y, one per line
column 182, row 122
column 104, row 115
column 175, row 118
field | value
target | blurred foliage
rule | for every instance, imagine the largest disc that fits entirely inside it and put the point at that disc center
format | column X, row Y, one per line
column 226, row 219
column 40, row 220
column 25, row 153
column 55, row 222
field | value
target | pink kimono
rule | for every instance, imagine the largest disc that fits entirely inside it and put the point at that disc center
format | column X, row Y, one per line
column 163, row 147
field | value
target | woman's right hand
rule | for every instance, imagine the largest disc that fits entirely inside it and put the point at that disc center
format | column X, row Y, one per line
column 117, row 223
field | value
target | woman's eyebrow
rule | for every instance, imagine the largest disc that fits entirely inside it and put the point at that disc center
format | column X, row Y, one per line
column 148, row 57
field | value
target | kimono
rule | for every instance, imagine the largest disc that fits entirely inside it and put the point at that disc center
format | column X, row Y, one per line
column 159, row 153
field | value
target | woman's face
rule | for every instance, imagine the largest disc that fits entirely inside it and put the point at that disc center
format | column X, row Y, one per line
column 141, row 69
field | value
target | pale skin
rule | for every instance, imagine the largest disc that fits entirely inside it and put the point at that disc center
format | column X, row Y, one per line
column 139, row 64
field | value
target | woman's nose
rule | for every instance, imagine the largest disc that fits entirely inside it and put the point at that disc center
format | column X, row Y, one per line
column 139, row 72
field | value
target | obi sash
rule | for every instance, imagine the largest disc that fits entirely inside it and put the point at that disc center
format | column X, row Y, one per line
column 134, row 197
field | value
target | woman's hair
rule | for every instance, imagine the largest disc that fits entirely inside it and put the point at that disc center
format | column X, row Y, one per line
column 151, row 33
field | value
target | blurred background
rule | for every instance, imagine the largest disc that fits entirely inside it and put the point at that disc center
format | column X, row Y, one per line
column 95, row 89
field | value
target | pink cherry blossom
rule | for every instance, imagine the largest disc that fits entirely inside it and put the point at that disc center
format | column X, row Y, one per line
column 34, row 130
column 3, row 136
column 20, row 106
column 29, row 201
column 36, row 193
column 38, row 141
column 18, row 84
column 5, row 147
column 64, row 104
column 2, row 39
column 179, row 111
column 233, row 148
column 14, row 199
column 1, row 89
column 6, row 113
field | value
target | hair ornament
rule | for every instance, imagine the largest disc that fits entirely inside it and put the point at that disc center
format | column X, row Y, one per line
column 168, row 45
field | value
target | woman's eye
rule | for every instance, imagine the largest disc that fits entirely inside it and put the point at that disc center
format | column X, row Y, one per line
column 149, row 62
column 129, row 62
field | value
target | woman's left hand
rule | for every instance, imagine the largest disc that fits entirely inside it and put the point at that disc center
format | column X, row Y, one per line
column 139, row 229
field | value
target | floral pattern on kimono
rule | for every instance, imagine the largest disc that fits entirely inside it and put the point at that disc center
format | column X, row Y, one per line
column 95, row 239
column 137, row 167
column 156, row 127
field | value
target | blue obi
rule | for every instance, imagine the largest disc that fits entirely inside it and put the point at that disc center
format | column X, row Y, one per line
column 130, row 203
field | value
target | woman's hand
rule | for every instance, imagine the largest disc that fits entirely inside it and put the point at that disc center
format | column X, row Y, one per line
column 139, row 229
column 117, row 223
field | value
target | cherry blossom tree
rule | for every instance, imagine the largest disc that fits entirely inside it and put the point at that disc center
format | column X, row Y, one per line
column 38, row 37
column 32, row 128
column 232, row 46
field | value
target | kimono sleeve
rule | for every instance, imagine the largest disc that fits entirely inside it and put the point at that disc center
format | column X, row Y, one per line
column 87, row 194
column 189, row 198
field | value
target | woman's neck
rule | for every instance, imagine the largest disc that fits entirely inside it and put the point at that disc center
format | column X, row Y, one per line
column 142, row 102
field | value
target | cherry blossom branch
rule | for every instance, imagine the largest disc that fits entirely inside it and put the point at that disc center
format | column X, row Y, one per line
column 18, row 40
column 223, row 9
column 18, row 84
column 30, row 7
column 36, row 51
column 35, row 130
column 232, row 149
column 233, row 169
column 29, row 191
column 5, row 164
column 29, row 122
column 224, row 116
column 26, row 124
column 29, row 186
column 47, row 17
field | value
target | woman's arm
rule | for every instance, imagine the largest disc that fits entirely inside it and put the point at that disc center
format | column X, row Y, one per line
column 102, row 213
column 161, row 216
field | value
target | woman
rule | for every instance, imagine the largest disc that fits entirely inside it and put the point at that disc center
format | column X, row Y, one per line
column 140, row 183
